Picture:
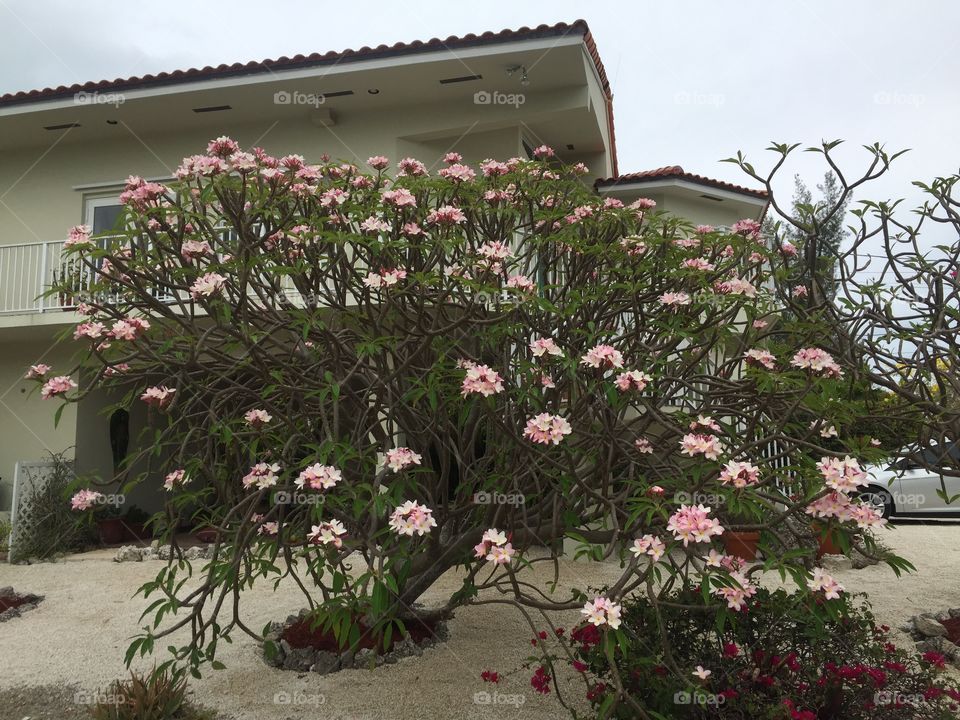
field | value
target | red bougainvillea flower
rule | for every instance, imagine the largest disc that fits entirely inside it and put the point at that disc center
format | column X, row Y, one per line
column 541, row 681
column 936, row 659
column 490, row 676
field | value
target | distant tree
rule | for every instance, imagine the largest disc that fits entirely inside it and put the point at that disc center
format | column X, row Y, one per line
column 816, row 229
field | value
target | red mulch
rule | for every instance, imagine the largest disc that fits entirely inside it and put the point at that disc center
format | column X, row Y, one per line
column 300, row 635
column 12, row 601
column 953, row 629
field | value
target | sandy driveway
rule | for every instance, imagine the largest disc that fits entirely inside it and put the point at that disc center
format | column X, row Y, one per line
column 78, row 635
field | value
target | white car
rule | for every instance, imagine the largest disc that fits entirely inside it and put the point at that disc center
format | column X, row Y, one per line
column 906, row 487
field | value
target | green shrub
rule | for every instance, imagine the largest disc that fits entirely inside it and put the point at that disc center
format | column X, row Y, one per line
column 160, row 695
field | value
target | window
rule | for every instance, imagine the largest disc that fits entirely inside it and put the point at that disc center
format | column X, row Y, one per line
column 102, row 214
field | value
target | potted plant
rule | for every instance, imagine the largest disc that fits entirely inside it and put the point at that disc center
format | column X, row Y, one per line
column 827, row 540
column 134, row 523
column 110, row 526
column 741, row 543
column 206, row 534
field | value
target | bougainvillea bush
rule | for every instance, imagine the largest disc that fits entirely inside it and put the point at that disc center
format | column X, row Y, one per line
column 790, row 656
column 363, row 377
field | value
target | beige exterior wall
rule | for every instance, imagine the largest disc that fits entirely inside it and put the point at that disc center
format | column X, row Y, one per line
column 27, row 430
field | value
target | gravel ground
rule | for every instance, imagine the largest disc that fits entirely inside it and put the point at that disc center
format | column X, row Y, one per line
column 76, row 638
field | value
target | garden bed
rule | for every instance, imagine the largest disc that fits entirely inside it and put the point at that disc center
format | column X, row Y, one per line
column 298, row 645
column 13, row 604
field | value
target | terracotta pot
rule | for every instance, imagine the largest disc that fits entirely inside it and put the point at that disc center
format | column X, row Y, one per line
column 743, row 543
column 828, row 543
column 206, row 535
column 111, row 531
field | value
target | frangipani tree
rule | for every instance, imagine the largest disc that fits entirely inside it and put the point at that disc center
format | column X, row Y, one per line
column 363, row 380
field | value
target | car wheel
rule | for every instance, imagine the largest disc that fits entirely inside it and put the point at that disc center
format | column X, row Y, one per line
column 878, row 500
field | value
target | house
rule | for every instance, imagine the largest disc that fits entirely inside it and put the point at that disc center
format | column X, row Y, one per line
column 64, row 153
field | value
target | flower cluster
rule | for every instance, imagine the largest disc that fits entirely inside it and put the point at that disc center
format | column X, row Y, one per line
column 547, row 429
column 602, row 612
column 411, row 517
column 482, row 380
column 401, row 458
column 494, row 547
column 318, row 477
column 693, row 523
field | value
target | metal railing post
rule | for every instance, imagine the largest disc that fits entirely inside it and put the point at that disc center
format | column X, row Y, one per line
column 43, row 274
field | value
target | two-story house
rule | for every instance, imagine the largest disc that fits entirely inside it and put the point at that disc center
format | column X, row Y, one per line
column 65, row 152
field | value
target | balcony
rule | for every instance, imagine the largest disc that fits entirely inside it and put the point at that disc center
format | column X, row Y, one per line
column 27, row 271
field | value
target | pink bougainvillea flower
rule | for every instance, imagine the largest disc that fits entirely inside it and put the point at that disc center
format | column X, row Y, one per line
column 77, row 237
column 547, row 429
column 318, row 477
column 740, row 474
column 709, row 446
column 632, row 380
column 832, row 505
column 207, row 285
column 37, row 371
column 649, row 545
column 543, row 151
column 788, row 249
column 159, row 397
column 760, row 324
column 602, row 612
column 799, row 291
column 327, row 533
column 704, row 229
column 261, row 475
column 374, row 225
column 655, row 491
column 702, row 672
column 693, row 523
column 633, row 244
column 177, row 478
column 223, row 146
column 257, row 418
column 378, row 162
column 412, row 518
column 822, row 581
column 482, row 380
column 760, row 358
column 545, row 346
column 452, row 157
column 85, row 499
column 546, row 381
column 401, row 458
column 603, row 356
column 60, row 385
column 842, row 475
column 698, row 264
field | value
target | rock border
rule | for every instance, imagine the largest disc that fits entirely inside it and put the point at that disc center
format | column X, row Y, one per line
column 929, row 634
column 135, row 553
column 31, row 602
column 323, row 662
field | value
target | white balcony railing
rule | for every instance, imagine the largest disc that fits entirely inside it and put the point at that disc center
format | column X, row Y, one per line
column 26, row 272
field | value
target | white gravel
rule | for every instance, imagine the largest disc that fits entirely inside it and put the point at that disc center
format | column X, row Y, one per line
column 79, row 634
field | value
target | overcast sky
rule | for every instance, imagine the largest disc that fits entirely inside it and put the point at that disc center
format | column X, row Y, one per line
column 693, row 81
